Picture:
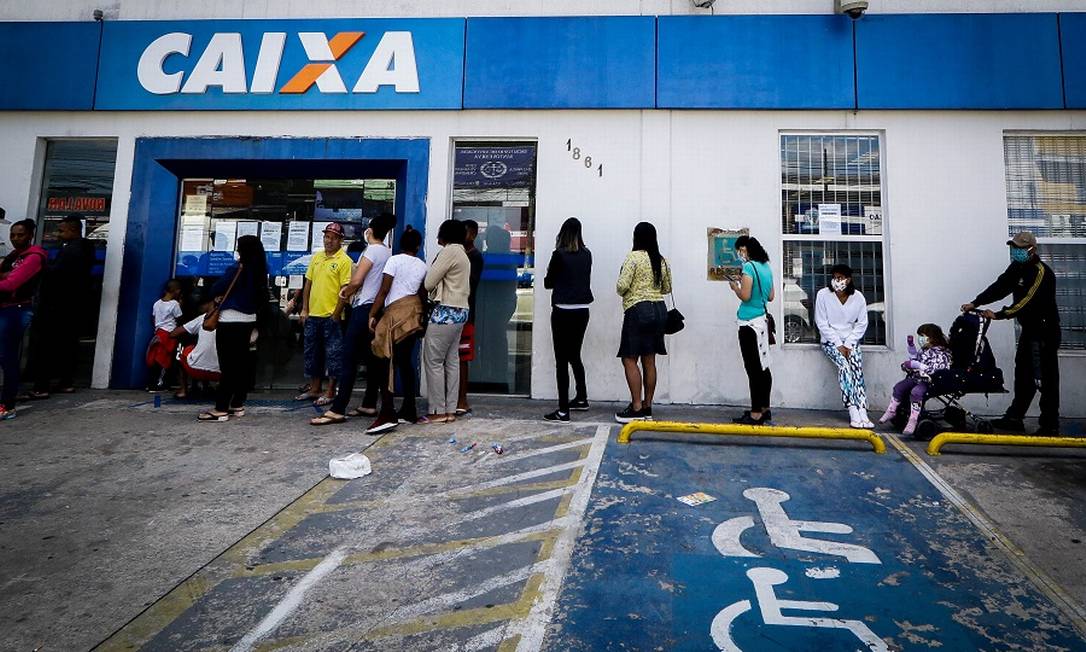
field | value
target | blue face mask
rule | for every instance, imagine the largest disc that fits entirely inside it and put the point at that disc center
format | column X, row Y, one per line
column 1019, row 255
column 922, row 341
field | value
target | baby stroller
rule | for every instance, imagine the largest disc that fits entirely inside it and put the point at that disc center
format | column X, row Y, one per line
column 973, row 370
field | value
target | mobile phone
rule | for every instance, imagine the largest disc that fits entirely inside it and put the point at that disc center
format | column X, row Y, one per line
column 910, row 340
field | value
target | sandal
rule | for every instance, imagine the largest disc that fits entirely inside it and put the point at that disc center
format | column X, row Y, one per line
column 305, row 396
column 328, row 419
column 323, row 400
column 363, row 411
column 237, row 412
column 211, row 416
column 462, row 412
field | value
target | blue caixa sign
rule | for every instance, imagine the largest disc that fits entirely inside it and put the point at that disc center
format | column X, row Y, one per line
column 282, row 65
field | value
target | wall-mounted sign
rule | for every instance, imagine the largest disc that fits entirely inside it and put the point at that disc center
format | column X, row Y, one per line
column 495, row 167
column 88, row 205
column 282, row 64
column 723, row 263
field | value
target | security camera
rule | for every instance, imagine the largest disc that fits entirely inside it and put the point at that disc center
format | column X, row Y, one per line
column 98, row 15
column 854, row 8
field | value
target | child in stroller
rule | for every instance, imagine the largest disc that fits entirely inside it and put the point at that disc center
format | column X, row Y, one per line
column 946, row 370
column 932, row 356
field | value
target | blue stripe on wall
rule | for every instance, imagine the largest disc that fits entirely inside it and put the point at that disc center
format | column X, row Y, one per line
column 958, row 61
column 48, row 66
column 755, row 62
column 1073, row 38
column 560, row 63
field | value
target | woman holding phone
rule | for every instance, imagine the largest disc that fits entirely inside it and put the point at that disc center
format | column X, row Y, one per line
column 754, row 287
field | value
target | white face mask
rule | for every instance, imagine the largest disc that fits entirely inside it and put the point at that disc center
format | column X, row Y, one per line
column 742, row 256
column 839, row 285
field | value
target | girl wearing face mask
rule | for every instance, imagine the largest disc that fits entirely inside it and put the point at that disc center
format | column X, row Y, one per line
column 933, row 355
column 754, row 290
column 841, row 316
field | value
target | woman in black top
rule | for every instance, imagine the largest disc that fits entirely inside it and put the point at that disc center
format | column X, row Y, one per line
column 569, row 274
column 237, row 321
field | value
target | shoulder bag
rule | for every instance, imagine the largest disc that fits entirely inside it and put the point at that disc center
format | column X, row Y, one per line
column 771, row 325
column 675, row 319
column 211, row 319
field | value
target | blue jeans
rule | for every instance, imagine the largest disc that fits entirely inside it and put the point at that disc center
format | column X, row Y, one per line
column 323, row 347
column 357, row 348
column 13, row 323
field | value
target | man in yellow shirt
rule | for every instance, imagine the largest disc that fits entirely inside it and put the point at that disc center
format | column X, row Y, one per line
column 328, row 271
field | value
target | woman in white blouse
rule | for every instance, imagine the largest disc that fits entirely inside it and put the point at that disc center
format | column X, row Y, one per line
column 841, row 316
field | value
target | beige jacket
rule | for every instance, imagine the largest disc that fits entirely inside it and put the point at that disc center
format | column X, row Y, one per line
column 447, row 280
column 401, row 319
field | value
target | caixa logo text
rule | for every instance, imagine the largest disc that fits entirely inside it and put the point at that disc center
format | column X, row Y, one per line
column 222, row 64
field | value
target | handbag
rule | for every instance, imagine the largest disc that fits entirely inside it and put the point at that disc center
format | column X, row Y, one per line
column 771, row 325
column 211, row 319
column 675, row 319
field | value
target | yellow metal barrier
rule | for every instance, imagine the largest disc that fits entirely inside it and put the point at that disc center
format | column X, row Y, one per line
column 754, row 431
column 945, row 438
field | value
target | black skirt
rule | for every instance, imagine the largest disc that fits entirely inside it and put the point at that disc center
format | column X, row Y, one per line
column 643, row 330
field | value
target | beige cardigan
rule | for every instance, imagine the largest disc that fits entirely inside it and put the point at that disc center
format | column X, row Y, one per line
column 447, row 278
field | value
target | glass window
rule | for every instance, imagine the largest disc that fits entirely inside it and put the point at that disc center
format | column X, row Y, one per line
column 1046, row 194
column 494, row 184
column 831, row 213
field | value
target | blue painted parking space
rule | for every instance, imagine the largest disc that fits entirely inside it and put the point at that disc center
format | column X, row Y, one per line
column 805, row 547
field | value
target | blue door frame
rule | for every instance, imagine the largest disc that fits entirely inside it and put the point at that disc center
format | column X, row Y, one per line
column 161, row 163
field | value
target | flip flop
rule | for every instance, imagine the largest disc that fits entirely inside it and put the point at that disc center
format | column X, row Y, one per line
column 208, row 416
column 326, row 420
column 463, row 412
column 322, row 401
column 237, row 412
column 305, row 396
column 363, row 412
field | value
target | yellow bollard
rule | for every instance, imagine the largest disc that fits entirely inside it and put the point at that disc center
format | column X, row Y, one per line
column 802, row 432
column 945, row 438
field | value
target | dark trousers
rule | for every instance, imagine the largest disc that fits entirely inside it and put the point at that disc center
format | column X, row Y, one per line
column 567, row 332
column 54, row 348
column 760, row 380
column 357, row 347
column 13, row 324
column 403, row 361
column 235, row 363
column 1037, row 362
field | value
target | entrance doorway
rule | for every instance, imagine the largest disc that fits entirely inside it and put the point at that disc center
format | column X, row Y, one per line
column 288, row 215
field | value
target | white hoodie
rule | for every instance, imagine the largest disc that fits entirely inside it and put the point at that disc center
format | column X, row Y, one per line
column 841, row 323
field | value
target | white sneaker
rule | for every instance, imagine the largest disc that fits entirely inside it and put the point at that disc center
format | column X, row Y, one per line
column 864, row 418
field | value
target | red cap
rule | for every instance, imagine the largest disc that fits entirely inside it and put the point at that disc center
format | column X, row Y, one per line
column 334, row 227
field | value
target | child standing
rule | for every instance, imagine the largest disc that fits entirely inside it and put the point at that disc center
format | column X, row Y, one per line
column 933, row 355
column 160, row 354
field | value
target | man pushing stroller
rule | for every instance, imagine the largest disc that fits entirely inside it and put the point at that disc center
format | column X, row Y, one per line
column 1032, row 285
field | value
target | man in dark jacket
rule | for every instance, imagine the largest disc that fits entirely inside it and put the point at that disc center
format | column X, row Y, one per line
column 66, row 282
column 1032, row 285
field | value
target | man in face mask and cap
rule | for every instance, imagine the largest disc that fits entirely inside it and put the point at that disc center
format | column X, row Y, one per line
column 1036, row 362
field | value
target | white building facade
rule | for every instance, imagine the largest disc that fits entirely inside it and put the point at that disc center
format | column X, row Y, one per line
column 774, row 125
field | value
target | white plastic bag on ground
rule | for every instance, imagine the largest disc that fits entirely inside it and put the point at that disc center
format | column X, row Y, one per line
column 353, row 466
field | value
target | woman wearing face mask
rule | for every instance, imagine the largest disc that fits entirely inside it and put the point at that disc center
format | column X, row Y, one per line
column 841, row 316
column 755, row 290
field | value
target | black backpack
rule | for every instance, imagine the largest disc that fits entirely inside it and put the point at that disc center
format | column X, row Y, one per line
column 973, row 368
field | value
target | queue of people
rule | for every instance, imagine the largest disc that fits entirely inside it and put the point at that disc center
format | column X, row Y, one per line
column 392, row 302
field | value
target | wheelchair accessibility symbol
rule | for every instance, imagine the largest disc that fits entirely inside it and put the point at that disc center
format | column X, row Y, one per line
column 784, row 532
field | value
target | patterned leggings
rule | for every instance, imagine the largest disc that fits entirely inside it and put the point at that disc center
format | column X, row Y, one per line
column 850, row 374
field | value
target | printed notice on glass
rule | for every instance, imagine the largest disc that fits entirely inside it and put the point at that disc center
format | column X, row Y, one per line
column 318, row 235
column 226, row 232
column 873, row 220
column 298, row 236
column 193, row 237
column 195, row 205
column 829, row 219
column 296, row 282
column 248, row 227
column 271, row 234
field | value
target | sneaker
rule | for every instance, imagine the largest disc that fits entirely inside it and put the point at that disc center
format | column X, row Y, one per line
column 382, row 424
column 579, row 404
column 1009, row 423
column 6, row 413
column 557, row 415
column 630, row 414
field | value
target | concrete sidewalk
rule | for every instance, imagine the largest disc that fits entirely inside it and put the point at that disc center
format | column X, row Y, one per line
column 108, row 504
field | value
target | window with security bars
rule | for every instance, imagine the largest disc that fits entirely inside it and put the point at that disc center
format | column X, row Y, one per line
column 1046, row 194
column 831, row 213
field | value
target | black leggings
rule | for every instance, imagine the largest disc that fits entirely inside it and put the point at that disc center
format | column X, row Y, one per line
column 403, row 362
column 567, row 330
column 235, row 363
column 761, row 380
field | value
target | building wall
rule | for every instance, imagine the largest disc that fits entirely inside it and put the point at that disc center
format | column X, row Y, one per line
column 170, row 9
column 945, row 211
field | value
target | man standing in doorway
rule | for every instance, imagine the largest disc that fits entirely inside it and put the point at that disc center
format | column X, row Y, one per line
column 467, row 336
column 1036, row 362
column 329, row 270
column 62, row 308
column 20, row 273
